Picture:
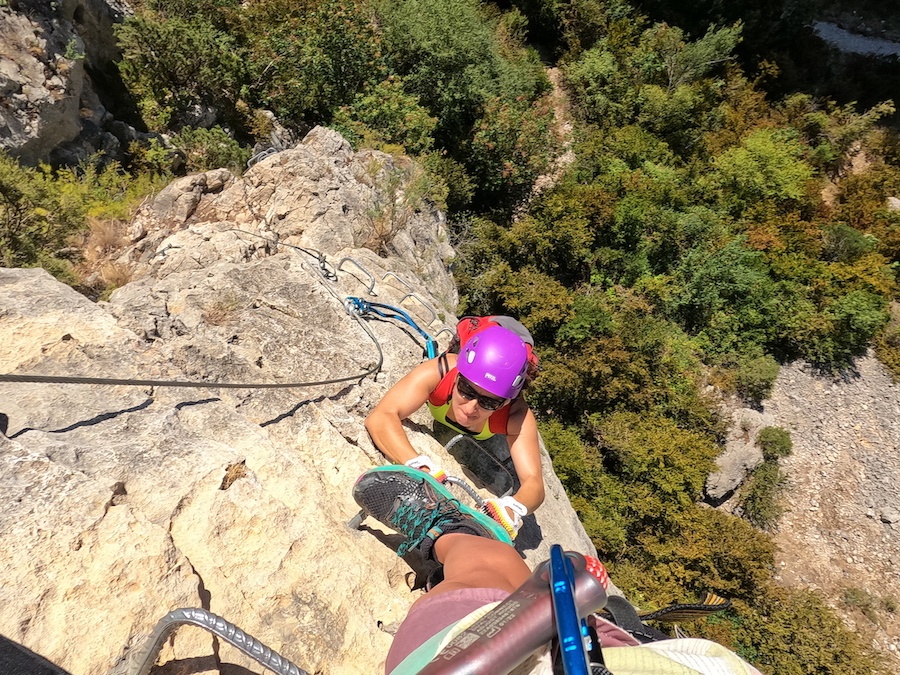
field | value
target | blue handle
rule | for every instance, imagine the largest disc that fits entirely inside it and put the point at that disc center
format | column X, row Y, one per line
column 568, row 625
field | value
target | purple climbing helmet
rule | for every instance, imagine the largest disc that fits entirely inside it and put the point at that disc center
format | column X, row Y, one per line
column 496, row 360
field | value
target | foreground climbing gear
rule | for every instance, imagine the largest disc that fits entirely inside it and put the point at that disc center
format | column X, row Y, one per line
column 571, row 629
column 420, row 508
column 17, row 659
column 522, row 623
column 500, row 508
column 623, row 614
column 218, row 626
column 359, row 307
column 495, row 359
column 469, row 326
column 429, row 466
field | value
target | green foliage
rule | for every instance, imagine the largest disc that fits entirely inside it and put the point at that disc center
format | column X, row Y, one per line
column 760, row 495
column 672, row 464
column 386, row 114
column 37, row 215
column 755, row 376
column 767, row 167
column 727, row 297
column 596, row 495
column 851, row 322
column 450, row 58
column 220, row 13
column 206, row 149
column 457, row 183
column 863, row 205
column 844, row 244
column 512, row 145
column 41, row 211
column 663, row 83
column 782, row 632
column 308, row 59
column 150, row 157
column 832, row 131
column 176, row 64
column 775, row 443
column 687, row 552
column 888, row 348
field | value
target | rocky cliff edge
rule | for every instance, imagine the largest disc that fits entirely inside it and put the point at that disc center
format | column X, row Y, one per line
column 121, row 503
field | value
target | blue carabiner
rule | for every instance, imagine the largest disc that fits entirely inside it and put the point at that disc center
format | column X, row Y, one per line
column 568, row 626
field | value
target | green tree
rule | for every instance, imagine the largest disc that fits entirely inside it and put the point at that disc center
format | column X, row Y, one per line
column 450, row 58
column 511, row 146
column 309, row 58
column 176, row 64
column 726, row 296
column 768, row 166
column 386, row 114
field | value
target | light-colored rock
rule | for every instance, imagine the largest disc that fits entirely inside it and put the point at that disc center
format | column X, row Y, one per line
column 119, row 504
column 741, row 454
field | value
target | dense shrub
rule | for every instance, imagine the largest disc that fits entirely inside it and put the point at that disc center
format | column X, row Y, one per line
column 781, row 632
column 175, row 66
column 36, row 216
column 888, row 349
column 775, row 443
column 760, row 494
column 307, row 59
column 755, row 376
column 206, row 149
column 386, row 114
column 43, row 213
column 512, row 145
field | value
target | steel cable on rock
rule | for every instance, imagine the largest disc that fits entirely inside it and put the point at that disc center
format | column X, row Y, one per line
column 65, row 379
column 323, row 273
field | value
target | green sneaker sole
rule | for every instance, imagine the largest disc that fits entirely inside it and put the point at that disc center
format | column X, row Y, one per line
column 377, row 490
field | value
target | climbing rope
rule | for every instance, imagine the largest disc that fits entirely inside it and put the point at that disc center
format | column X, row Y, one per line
column 328, row 274
column 323, row 271
column 359, row 307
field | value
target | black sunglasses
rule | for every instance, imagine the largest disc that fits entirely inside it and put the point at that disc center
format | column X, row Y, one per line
column 467, row 391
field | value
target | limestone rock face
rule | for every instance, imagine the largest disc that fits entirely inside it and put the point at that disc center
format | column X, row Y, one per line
column 122, row 503
column 56, row 71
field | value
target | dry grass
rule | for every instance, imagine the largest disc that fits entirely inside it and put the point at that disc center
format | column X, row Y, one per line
column 222, row 310
column 98, row 273
column 233, row 473
column 104, row 237
column 114, row 274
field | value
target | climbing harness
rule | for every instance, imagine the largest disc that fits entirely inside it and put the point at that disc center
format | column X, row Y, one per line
column 359, row 307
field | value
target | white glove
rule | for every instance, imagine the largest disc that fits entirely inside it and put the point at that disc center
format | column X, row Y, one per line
column 507, row 511
column 429, row 466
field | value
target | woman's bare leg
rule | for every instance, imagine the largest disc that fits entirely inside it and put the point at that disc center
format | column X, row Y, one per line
column 478, row 562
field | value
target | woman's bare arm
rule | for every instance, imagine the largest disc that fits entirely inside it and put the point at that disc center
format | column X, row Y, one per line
column 525, row 450
column 384, row 423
